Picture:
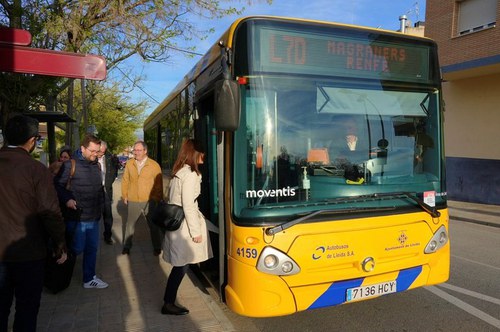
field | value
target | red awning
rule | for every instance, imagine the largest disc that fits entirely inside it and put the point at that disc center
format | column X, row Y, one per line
column 17, row 57
column 27, row 60
column 13, row 36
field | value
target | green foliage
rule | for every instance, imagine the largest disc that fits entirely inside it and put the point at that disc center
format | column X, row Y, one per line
column 116, row 120
column 117, row 30
column 113, row 115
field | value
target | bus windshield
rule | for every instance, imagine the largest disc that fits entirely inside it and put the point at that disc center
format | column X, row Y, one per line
column 304, row 142
column 331, row 114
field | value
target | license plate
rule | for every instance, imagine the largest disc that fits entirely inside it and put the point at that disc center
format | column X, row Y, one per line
column 365, row 292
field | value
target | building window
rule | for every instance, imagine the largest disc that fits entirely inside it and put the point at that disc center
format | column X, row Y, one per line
column 476, row 15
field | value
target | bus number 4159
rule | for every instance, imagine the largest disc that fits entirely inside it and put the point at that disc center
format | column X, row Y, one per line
column 247, row 252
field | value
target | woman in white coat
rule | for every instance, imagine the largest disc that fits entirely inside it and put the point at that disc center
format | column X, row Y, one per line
column 190, row 244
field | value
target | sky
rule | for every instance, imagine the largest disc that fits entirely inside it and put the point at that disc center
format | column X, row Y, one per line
column 161, row 78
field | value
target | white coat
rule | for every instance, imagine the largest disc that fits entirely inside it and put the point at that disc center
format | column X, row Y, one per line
column 179, row 248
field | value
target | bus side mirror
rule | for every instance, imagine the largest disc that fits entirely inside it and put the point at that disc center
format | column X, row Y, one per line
column 227, row 105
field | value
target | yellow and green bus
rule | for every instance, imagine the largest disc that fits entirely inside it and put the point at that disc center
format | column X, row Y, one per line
column 324, row 168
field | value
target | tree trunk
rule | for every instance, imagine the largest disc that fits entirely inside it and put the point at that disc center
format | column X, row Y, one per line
column 84, row 107
column 70, row 125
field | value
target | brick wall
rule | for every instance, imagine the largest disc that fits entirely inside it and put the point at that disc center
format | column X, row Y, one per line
column 440, row 24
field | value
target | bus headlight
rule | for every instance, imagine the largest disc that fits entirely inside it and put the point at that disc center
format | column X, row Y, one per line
column 286, row 267
column 273, row 261
column 438, row 240
column 270, row 262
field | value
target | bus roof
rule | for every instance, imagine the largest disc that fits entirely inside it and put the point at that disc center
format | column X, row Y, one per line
column 227, row 39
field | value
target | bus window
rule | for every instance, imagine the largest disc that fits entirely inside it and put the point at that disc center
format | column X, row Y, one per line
column 369, row 136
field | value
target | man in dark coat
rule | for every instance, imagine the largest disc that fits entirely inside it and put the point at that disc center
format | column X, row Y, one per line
column 82, row 202
column 29, row 212
column 109, row 172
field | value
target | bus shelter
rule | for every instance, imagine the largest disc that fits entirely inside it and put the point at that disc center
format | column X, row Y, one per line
column 16, row 56
column 51, row 118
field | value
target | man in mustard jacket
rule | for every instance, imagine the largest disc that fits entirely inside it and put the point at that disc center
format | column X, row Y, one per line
column 142, row 188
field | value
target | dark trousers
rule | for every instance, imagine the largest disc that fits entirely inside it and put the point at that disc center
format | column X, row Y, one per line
column 107, row 216
column 173, row 283
column 24, row 281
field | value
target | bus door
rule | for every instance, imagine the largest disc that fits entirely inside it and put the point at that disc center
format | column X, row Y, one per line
column 204, row 132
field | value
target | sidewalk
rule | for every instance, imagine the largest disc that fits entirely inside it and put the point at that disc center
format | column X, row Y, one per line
column 133, row 300
column 484, row 214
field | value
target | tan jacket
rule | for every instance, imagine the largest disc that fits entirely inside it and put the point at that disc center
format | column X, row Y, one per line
column 178, row 246
column 145, row 186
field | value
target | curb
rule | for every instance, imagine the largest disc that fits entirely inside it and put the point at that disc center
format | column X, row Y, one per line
column 475, row 221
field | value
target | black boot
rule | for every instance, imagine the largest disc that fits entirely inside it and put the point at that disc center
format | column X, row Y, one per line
column 172, row 309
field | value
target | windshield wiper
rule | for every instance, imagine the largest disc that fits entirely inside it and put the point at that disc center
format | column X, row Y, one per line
column 288, row 224
column 400, row 194
column 427, row 208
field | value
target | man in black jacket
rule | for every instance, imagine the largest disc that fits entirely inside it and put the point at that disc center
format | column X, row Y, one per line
column 29, row 211
column 109, row 172
column 83, row 193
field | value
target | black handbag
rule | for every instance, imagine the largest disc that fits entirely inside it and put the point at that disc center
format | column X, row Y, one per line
column 58, row 276
column 71, row 214
column 168, row 217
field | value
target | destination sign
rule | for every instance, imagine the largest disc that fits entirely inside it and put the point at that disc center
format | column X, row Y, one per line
column 330, row 54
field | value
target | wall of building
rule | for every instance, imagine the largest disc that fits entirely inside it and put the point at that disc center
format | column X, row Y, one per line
column 471, row 69
column 472, row 137
column 441, row 20
column 472, row 117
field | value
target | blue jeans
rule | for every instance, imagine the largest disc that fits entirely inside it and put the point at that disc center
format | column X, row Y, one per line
column 84, row 237
column 24, row 280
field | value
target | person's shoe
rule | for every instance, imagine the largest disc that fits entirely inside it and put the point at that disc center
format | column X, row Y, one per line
column 126, row 251
column 157, row 252
column 108, row 241
column 95, row 283
column 172, row 309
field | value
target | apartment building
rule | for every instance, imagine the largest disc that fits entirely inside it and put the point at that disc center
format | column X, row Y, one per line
column 469, row 52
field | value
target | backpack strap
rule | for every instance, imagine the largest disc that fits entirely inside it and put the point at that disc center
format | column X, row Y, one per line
column 71, row 173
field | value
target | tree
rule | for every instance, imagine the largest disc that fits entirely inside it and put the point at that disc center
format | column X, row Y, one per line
column 116, row 29
column 116, row 119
